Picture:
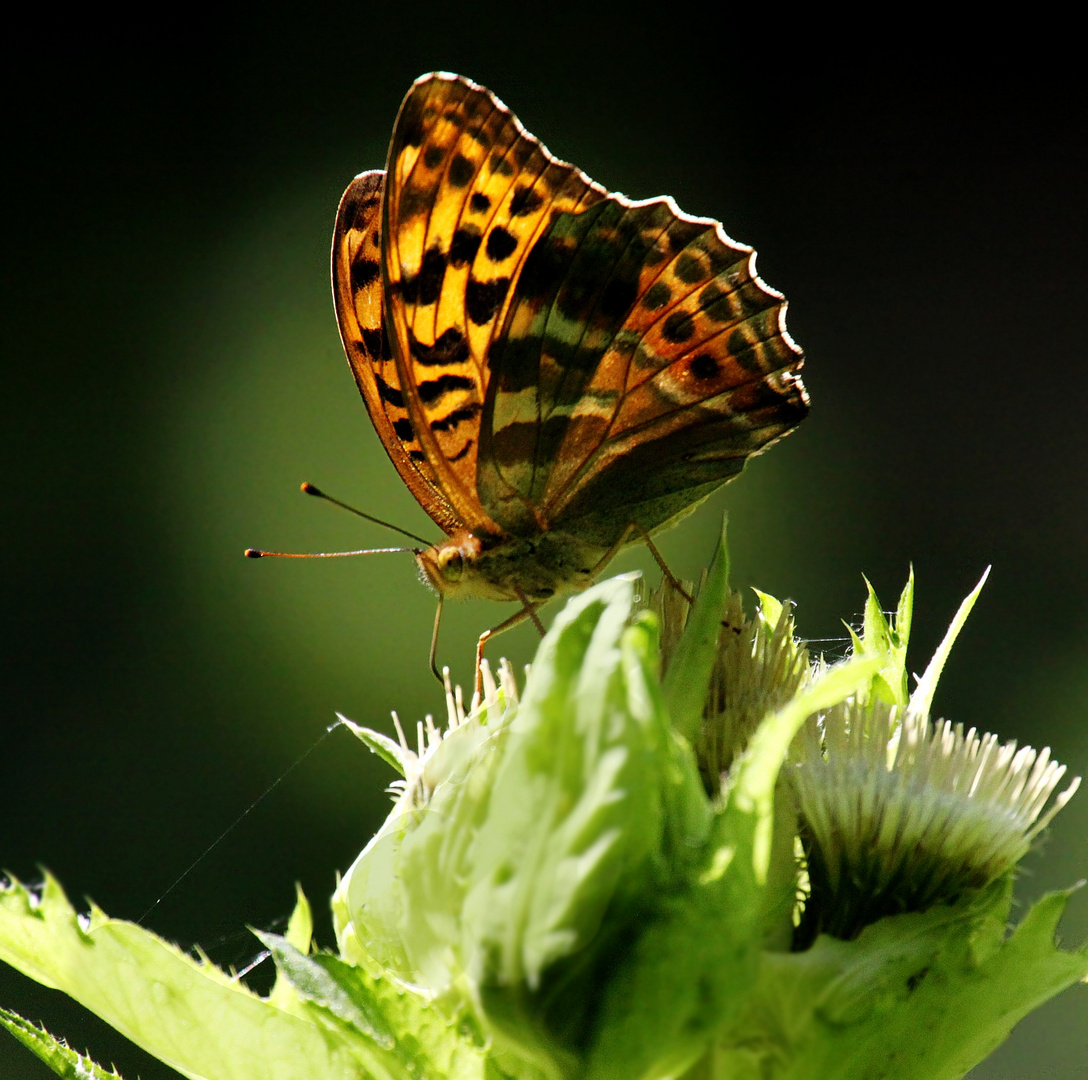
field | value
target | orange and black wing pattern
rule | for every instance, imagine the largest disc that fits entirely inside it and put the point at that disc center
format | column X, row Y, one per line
column 358, row 293
column 538, row 353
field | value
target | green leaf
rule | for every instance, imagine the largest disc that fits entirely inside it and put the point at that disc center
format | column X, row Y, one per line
column 688, row 677
column 404, row 1034
column 904, row 612
column 691, row 967
column 311, row 982
column 922, row 699
column 389, row 750
column 300, row 930
column 875, row 631
column 879, row 638
column 852, row 1010
column 185, row 1012
column 770, row 608
column 60, row 1057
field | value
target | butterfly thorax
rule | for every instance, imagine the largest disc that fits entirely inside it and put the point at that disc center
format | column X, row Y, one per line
column 476, row 565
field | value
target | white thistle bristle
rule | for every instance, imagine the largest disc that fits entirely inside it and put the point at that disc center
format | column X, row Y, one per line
column 918, row 811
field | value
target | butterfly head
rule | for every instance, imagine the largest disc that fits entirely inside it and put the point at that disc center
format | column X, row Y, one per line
column 451, row 568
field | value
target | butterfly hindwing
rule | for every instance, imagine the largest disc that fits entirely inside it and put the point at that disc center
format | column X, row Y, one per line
column 710, row 377
column 640, row 363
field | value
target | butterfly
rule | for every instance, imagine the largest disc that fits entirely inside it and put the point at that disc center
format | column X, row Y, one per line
column 555, row 370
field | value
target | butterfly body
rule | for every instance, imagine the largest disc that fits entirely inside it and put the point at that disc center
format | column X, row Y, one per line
column 501, row 567
column 554, row 370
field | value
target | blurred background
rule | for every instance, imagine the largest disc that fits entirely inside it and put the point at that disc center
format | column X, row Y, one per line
column 172, row 372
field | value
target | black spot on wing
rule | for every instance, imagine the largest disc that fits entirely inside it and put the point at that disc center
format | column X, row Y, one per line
column 525, row 201
column 373, row 342
column 690, row 269
column 363, row 272
column 554, row 176
column 432, row 389
column 350, row 209
column 403, row 429
column 432, row 156
column 544, row 269
column 451, row 420
column 704, row 367
column 480, row 136
column 479, row 203
column 465, row 244
column 461, row 453
column 461, row 171
column 450, row 348
column 389, row 394
column 681, row 233
column 484, row 298
column 741, row 349
column 714, row 303
column 468, row 107
column 500, row 244
column 425, row 287
column 679, row 326
column 657, row 296
column 413, row 203
column 357, row 208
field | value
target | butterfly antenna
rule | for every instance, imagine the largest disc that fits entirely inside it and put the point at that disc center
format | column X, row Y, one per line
column 256, row 553
column 310, row 489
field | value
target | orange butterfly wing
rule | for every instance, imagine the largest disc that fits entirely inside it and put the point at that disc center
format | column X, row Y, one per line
column 358, row 294
column 469, row 192
column 681, row 370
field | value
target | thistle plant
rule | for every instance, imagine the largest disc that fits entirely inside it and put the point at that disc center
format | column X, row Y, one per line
column 678, row 848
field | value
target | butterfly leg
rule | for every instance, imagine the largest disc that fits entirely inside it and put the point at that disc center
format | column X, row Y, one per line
column 434, row 641
column 531, row 609
column 635, row 530
column 669, row 576
column 527, row 612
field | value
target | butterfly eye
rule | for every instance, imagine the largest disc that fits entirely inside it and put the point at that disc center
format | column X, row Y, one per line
column 451, row 564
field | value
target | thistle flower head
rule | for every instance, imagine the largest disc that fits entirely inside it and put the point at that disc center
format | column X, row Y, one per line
column 424, row 768
column 899, row 812
column 903, row 816
column 758, row 667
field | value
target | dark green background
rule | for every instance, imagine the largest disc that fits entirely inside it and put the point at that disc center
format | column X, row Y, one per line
column 172, row 371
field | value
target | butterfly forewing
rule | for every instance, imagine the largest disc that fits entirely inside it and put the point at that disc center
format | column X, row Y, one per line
column 472, row 191
column 358, row 293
